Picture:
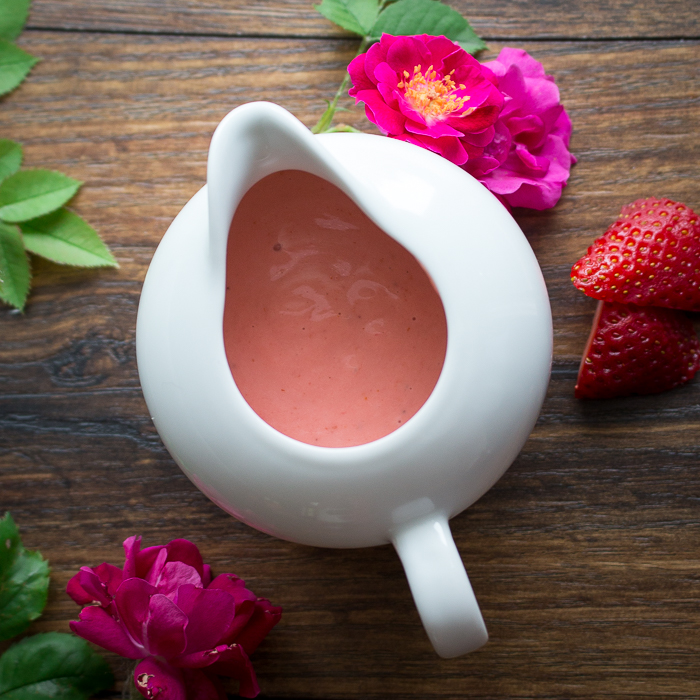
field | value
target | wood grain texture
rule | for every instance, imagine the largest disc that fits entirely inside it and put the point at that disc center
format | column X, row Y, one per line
column 526, row 19
column 585, row 557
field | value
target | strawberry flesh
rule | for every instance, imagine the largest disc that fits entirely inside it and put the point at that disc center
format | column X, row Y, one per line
column 650, row 257
column 637, row 350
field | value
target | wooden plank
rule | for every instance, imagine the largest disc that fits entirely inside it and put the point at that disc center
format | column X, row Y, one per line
column 584, row 556
column 496, row 19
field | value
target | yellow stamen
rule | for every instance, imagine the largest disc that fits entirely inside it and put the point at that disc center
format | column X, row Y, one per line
column 432, row 96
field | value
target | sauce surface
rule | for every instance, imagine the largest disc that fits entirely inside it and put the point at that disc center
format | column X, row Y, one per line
column 334, row 333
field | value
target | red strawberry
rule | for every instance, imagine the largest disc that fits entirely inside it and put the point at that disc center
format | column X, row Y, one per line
column 637, row 350
column 650, row 256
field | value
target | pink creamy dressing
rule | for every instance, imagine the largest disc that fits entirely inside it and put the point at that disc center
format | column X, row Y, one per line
column 334, row 333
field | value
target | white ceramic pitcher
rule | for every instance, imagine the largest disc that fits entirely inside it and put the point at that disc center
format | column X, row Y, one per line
column 401, row 488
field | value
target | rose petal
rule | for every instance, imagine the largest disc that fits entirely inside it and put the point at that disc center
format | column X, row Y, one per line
column 374, row 56
column 538, row 162
column 447, row 147
column 480, row 139
column 435, row 130
column 494, row 154
column 529, row 130
column 406, row 53
column 520, row 190
column 228, row 582
column 264, row 618
column 533, row 166
column 234, row 663
column 206, row 576
column 186, row 552
column 358, row 76
column 200, row 659
column 483, row 117
column 111, row 576
column 98, row 627
column 76, row 591
column 529, row 65
column 131, row 549
column 140, row 563
column 535, row 195
column 533, row 95
column 482, row 165
column 150, row 563
column 245, row 602
column 562, row 128
column 389, row 95
column 388, row 120
column 210, row 613
column 96, row 585
column 132, row 601
column 175, row 574
column 91, row 584
column 165, row 627
column 385, row 74
column 154, row 679
column 200, row 686
column 445, row 55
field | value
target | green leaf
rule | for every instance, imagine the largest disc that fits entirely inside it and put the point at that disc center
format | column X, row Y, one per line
column 32, row 193
column 15, row 64
column 357, row 16
column 52, row 666
column 10, row 157
column 13, row 18
column 10, row 542
column 410, row 17
column 342, row 128
column 15, row 278
column 67, row 239
column 24, row 582
column 469, row 40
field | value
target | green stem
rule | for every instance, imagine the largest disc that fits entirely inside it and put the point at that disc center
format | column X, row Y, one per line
column 129, row 691
column 326, row 119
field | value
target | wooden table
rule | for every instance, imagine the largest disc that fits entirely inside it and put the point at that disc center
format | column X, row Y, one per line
column 585, row 557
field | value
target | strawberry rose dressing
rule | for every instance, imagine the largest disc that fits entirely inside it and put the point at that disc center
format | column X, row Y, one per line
column 334, row 333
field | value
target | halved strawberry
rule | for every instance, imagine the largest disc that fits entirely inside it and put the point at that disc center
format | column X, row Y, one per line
column 650, row 256
column 637, row 350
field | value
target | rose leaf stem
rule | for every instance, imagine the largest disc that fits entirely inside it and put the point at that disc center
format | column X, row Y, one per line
column 324, row 123
column 129, row 691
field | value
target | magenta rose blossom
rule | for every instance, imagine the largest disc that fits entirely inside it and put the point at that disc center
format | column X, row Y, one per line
column 164, row 607
column 430, row 92
column 528, row 161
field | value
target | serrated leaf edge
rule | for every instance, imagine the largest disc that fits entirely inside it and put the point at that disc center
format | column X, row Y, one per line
column 108, row 260
column 75, row 186
column 3, row 297
column 93, row 655
column 28, row 63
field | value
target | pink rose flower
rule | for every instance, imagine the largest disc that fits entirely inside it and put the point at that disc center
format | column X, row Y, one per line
column 164, row 607
column 430, row 92
column 528, row 161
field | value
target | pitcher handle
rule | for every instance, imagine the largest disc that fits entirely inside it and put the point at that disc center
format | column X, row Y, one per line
column 440, row 587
